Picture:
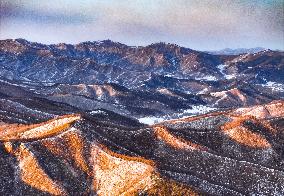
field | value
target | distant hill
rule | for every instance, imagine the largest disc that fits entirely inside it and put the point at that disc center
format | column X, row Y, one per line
column 229, row 51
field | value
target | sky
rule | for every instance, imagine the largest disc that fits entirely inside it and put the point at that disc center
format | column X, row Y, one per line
column 196, row 24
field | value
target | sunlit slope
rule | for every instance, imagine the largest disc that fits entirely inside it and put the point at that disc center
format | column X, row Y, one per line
column 237, row 152
column 17, row 132
column 55, row 158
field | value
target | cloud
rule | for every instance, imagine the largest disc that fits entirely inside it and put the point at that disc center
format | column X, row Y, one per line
column 206, row 24
column 15, row 10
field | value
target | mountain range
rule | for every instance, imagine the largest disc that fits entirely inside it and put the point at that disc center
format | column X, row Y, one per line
column 156, row 80
column 106, row 118
column 237, row 51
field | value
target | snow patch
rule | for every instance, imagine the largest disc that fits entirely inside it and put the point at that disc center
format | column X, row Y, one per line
column 150, row 120
column 199, row 109
column 174, row 76
column 274, row 86
column 207, row 78
column 195, row 110
column 98, row 112
column 229, row 76
column 221, row 68
column 204, row 91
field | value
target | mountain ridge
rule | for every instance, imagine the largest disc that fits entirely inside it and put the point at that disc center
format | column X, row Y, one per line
column 157, row 80
column 237, row 51
column 102, row 117
column 98, row 155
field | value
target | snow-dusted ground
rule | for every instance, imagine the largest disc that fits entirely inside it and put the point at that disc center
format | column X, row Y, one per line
column 222, row 67
column 204, row 91
column 199, row 109
column 241, row 57
column 207, row 78
column 150, row 120
column 195, row 110
column 274, row 86
column 98, row 112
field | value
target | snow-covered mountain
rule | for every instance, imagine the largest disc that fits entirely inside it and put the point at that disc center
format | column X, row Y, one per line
column 157, row 80
column 73, row 120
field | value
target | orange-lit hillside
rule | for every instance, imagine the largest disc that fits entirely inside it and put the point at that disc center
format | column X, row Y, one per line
column 186, row 156
column 17, row 132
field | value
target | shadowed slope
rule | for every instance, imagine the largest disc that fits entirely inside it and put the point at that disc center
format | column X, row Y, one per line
column 222, row 153
column 66, row 162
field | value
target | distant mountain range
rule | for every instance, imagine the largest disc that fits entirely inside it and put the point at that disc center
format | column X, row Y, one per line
column 104, row 117
column 237, row 51
column 156, row 80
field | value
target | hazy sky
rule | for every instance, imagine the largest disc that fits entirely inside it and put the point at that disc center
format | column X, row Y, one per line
column 197, row 24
